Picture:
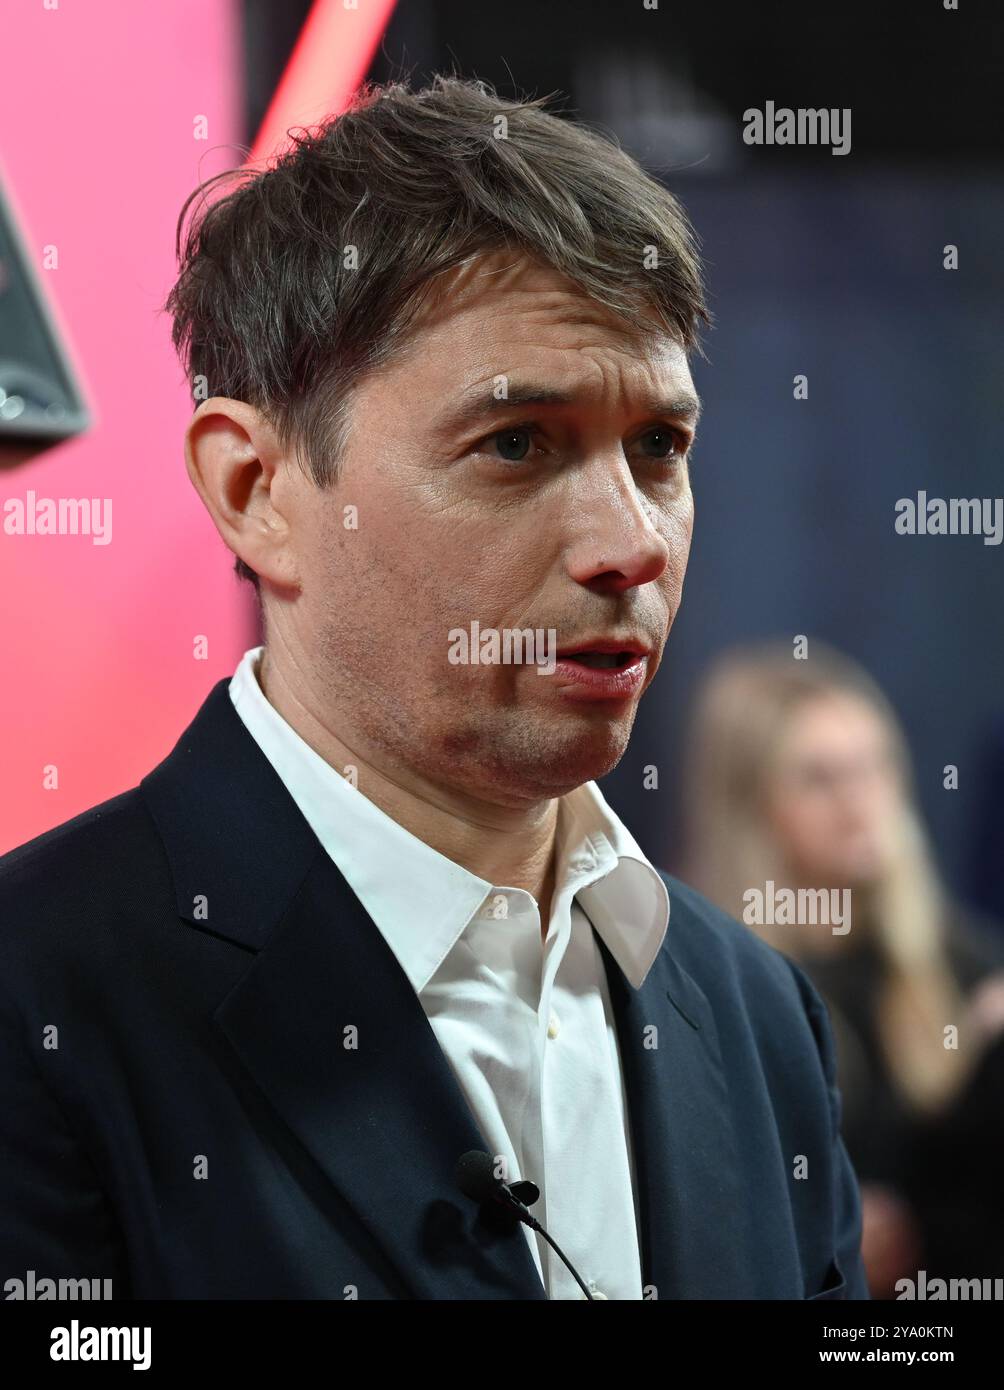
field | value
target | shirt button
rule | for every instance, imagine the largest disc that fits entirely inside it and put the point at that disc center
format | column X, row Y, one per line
column 553, row 1026
column 596, row 1293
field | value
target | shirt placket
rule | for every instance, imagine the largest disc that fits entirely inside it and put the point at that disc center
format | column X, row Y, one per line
column 554, row 1072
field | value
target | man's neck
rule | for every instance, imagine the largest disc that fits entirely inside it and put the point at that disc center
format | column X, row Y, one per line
column 506, row 846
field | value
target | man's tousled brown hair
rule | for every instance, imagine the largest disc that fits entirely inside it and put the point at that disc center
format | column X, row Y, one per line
column 266, row 309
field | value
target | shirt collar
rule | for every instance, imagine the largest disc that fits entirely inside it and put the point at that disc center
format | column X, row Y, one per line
column 420, row 900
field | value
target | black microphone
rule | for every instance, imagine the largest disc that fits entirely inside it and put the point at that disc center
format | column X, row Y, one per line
column 475, row 1176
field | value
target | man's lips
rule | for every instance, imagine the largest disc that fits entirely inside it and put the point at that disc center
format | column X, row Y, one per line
column 602, row 669
column 622, row 647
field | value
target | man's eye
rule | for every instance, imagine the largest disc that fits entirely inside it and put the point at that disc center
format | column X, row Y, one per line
column 661, row 443
column 514, row 443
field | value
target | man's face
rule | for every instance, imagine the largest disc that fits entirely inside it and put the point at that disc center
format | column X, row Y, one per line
column 572, row 513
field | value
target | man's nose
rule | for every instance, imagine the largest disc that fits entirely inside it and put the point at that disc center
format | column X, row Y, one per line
column 618, row 546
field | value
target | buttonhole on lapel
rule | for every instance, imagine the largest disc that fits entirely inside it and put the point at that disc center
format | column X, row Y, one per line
column 683, row 1013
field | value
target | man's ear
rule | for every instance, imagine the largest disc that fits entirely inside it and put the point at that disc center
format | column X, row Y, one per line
column 238, row 469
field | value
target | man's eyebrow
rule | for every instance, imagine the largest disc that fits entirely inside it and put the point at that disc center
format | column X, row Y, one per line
column 685, row 407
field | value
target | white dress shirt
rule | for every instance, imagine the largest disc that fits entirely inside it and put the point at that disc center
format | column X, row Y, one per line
column 525, row 1023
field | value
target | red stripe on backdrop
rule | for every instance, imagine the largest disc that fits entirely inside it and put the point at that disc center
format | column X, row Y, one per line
column 331, row 58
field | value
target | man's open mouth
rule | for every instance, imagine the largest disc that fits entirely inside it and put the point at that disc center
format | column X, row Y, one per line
column 603, row 661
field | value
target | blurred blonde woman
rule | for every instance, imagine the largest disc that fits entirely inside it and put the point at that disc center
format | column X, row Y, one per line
column 799, row 779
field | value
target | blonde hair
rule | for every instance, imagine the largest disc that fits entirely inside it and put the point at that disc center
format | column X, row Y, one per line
column 742, row 712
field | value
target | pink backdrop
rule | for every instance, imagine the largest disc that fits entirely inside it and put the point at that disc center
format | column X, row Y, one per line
column 98, row 110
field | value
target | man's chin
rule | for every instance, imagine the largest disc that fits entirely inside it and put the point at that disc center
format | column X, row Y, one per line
column 523, row 758
column 565, row 763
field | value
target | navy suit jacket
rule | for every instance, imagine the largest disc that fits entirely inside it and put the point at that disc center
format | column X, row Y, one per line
column 179, row 1112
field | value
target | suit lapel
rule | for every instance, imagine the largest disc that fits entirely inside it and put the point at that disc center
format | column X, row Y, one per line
column 324, row 1020
column 327, row 1023
column 686, row 1159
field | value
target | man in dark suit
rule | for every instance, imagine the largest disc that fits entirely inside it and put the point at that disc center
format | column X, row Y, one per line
column 372, row 912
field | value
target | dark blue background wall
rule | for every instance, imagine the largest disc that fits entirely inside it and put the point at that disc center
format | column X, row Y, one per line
column 839, row 276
